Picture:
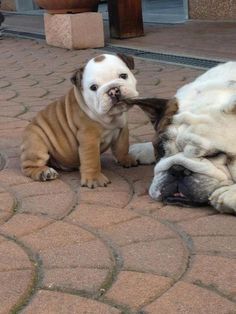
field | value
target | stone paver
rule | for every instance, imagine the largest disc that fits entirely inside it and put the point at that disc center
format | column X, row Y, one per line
column 66, row 249
column 93, row 254
column 186, row 298
column 78, row 278
column 62, row 303
column 135, row 289
column 14, row 286
column 165, row 257
column 214, row 271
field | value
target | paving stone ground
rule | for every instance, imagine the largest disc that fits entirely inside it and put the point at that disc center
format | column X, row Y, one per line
column 66, row 249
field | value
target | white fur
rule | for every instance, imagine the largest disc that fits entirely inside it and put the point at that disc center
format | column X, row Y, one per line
column 97, row 104
column 143, row 152
column 224, row 199
column 200, row 165
column 105, row 74
column 205, row 122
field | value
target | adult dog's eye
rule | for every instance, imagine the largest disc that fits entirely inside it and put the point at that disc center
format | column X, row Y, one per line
column 94, row 87
column 213, row 154
column 124, row 76
column 159, row 149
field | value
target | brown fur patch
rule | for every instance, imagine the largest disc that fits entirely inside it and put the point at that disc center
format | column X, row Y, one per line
column 160, row 112
column 77, row 77
column 171, row 108
column 166, row 119
column 128, row 60
column 99, row 58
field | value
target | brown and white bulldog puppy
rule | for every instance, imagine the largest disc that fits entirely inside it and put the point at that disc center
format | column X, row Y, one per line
column 72, row 132
column 195, row 143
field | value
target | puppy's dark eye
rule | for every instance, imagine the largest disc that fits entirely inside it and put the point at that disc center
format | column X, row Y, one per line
column 94, row 87
column 124, row 76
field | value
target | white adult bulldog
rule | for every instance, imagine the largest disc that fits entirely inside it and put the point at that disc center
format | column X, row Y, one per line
column 195, row 144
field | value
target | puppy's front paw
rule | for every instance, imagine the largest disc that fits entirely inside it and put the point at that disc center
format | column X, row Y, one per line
column 128, row 161
column 143, row 153
column 224, row 199
column 94, row 181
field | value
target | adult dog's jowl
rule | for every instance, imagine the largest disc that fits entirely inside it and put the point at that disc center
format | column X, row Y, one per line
column 195, row 143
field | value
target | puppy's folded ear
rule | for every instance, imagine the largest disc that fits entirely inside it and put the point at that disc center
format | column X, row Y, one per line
column 128, row 60
column 159, row 110
column 77, row 77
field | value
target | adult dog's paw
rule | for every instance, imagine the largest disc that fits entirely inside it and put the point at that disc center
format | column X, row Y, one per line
column 143, row 153
column 224, row 199
column 94, row 181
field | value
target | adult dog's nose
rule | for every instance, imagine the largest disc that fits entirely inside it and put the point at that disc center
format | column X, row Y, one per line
column 179, row 171
column 114, row 93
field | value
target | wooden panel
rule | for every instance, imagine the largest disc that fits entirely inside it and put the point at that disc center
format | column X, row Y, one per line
column 125, row 18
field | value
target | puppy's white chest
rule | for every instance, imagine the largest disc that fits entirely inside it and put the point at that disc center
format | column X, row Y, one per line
column 108, row 137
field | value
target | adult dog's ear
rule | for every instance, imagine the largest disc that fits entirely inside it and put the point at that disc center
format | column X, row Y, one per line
column 76, row 78
column 159, row 110
column 128, row 60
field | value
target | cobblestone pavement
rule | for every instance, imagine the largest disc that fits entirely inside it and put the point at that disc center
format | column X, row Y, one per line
column 66, row 249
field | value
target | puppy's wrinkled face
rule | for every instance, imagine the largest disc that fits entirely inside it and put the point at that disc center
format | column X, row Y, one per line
column 106, row 80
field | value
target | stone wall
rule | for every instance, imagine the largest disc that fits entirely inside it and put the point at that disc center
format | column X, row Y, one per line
column 18, row 5
column 212, row 9
column 8, row 5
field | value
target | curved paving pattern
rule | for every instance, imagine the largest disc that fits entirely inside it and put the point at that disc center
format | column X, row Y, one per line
column 64, row 249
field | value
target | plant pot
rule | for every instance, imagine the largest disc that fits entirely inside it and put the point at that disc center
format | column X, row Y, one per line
column 68, row 6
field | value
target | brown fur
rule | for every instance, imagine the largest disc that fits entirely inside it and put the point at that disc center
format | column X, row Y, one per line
column 77, row 77
column 128, row 60
column 63, row 135
column 160, row 112
column 99, row 58
column 166, row 119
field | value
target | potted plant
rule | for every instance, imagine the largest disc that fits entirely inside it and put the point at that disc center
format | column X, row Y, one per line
column 68, row 6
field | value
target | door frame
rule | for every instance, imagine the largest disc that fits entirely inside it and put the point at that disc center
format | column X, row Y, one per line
column 185, row 4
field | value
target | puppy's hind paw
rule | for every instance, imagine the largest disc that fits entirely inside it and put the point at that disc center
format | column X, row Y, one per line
column 48, row 174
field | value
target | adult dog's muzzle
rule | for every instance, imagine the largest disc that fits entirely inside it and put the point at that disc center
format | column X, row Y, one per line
column 181, row 188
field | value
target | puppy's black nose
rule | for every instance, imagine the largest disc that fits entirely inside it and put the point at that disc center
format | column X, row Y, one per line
column 114, row 93
column 179, row 171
